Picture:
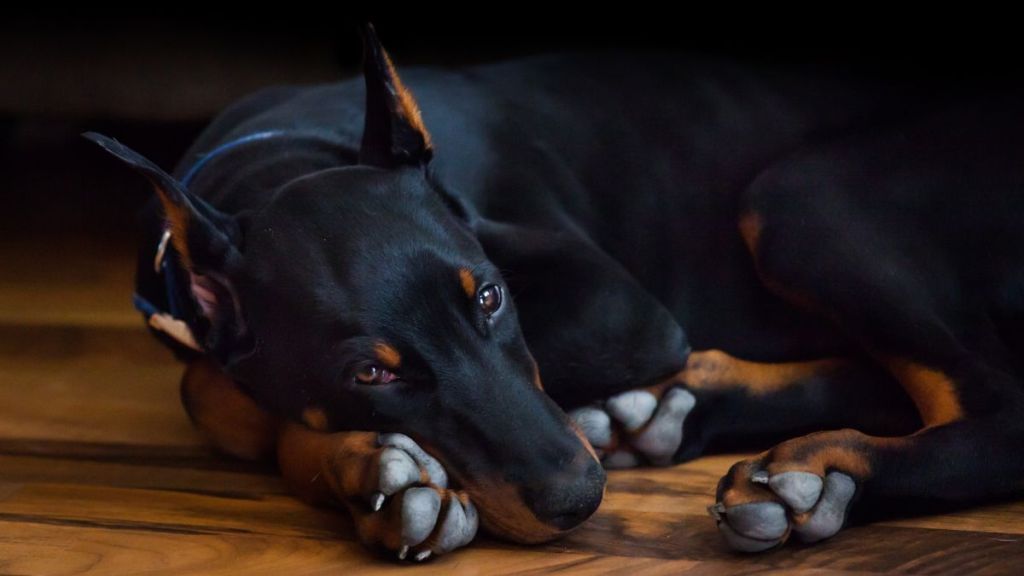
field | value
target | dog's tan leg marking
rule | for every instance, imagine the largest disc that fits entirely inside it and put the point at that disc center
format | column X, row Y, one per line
column 227, row 416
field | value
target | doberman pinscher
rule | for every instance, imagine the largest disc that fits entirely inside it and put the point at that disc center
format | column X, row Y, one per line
column 378, row 305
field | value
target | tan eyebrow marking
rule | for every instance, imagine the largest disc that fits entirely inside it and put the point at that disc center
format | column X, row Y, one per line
column 468, row 282
column 387, row 355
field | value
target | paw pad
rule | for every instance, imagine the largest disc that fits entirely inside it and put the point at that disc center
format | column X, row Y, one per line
column 635, row 426
column 811, row 507
column 411, row 507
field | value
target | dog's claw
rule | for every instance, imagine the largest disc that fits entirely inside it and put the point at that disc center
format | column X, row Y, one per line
column 377, row 501
column 422, row 556
column 403, row 552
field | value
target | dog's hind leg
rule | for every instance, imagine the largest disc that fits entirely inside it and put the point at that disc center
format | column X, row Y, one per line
column 888, row 288
column 396, row 493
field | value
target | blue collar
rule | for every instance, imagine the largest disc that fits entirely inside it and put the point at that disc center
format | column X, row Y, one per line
column 205, row 159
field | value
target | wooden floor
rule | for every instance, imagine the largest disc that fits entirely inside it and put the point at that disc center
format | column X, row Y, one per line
column 100, row 472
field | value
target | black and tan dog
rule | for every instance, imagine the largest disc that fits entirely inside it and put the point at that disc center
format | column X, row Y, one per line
column 378, row 305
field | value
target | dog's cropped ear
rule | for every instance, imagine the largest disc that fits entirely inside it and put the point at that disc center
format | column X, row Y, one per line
column 206, row 240
column 393, row 132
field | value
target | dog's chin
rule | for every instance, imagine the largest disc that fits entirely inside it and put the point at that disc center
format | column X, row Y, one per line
column 524, row 528
column 539, row 533
column 504, row 515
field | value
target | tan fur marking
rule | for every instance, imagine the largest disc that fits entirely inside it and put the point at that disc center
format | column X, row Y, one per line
column 746, row 492
column 468, row 282
column 716, row 370
column 174, row 328
column 387, row 355
column 321, row 468
column 850, row 460
column 407, row 107
column 933, row 392
column 848, row 451
column 315, row 418
column 229, row 417
column 583, row 438
column 178, row 220
column 536, row 375
column 750, row 226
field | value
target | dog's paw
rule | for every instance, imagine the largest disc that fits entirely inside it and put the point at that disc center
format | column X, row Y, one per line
column 637, row 426
column 403, row 504
column 762, row 502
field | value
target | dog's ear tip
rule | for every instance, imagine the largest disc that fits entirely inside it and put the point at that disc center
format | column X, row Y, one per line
column 120, row 151
column 371, row 44
column 100, row 139
column 368, row 32
column 107, row 143
column 393, row 130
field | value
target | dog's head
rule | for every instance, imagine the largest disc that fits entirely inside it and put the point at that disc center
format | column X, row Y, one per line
column 359, row 299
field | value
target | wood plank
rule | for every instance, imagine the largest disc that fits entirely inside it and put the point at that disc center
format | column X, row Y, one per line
column 210, row 477
column 46, row 550
column 650, row 535
column 648, row 514
column 90, row 384
column 84, row 282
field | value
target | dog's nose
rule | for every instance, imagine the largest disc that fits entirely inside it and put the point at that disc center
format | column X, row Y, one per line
column 572, row 498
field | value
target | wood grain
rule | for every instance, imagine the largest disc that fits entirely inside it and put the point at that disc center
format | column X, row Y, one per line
column 101, row 473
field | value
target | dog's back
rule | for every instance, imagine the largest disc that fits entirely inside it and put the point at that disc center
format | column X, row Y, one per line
column 647, row 155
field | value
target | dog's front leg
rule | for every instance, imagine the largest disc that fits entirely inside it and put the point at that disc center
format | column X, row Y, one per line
column 397, row 494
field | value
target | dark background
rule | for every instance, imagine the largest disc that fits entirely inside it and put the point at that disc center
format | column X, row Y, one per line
column 153, row 81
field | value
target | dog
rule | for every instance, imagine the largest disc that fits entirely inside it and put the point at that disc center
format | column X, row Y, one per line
column 459, row 317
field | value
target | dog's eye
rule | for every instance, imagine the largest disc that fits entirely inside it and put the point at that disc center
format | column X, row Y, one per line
column 373, row 374
column 490, row 299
